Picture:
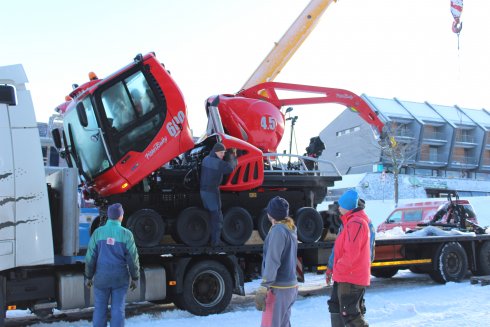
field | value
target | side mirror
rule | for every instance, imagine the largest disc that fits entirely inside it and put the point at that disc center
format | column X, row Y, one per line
column 56, row 138
column 82, row 115
column 8, row 95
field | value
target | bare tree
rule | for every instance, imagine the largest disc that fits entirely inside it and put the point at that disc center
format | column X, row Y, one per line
column 398, row 147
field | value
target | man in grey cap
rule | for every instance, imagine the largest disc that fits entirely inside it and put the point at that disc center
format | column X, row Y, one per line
column 212, row 170
column 111, row 259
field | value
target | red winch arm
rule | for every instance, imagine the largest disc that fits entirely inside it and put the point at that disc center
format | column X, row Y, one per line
column 268, row 92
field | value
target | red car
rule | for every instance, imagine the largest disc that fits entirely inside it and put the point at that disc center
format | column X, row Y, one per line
column 409, row 215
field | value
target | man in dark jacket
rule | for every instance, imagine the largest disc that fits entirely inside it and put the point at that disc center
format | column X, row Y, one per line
column 212, row 170
column 111, row 259
column 279, row 286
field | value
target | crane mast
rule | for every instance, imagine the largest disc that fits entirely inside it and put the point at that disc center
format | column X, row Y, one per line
column 283, row 50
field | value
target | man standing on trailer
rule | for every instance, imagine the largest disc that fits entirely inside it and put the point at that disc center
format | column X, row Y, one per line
column 279, row 286
column 352, row 264
column 212, row 170
column 111, row 259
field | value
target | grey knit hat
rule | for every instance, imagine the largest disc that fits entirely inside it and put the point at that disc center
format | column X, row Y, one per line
column 218, row 147
column 115, row 211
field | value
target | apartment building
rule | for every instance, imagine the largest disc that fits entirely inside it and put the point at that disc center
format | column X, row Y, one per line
column 444, row 142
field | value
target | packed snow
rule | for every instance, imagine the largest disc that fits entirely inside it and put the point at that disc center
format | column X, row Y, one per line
column 407, row 299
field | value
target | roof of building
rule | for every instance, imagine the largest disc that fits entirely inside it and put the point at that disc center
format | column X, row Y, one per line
column 389, row 108
column 421, row 111
column 453, row 115
column 479, row 116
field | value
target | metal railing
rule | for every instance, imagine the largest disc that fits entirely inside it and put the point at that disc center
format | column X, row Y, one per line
column 434, row 135
column 465, row 138
column 291, row 163
column 463, row 160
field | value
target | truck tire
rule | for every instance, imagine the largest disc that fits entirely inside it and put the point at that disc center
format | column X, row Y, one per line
column 237, row 226
column 147, row 226
column 483, row 260
column 386, row 272
column 450, row 263
column 207, row 289
column 193, row 226
column 309, row 224
column 263, row 224
column 94, row 225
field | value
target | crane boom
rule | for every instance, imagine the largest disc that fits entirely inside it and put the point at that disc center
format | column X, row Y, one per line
column 283, row 50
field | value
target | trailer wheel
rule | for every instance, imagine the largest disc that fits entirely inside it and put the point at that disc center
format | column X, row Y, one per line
column 386, row 272
column 263, row 224
column 207, row 289
column 309, row 224
column 147, row 226
column 483, row 262
column 193, row 226
column 450, row 263
column 237, row 226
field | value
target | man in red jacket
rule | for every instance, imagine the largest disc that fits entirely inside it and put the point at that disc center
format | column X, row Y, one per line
column 352, row 264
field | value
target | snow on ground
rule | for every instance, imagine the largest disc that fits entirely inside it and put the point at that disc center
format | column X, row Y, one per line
column 405, row 300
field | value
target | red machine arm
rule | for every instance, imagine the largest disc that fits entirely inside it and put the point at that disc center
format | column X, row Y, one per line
column 268, row 92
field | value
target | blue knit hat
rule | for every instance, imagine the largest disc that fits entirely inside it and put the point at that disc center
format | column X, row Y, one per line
column 278, row 208
column 349, row 199
column 115, row 211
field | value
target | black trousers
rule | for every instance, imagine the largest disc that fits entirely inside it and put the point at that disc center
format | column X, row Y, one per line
column 347, row 300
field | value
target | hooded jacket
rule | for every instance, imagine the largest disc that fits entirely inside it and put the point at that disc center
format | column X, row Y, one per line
column 212, row 171
column 352, row 251
column 279, row 257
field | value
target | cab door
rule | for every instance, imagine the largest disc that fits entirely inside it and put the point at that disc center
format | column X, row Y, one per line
column 411, row 218
column 393, row 220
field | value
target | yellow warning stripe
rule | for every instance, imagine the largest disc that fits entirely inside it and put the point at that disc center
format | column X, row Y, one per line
column 400, row 262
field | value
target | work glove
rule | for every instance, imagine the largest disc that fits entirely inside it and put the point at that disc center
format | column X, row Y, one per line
column 89, row 283
column 133, row 285
column 328, row 276
column 260, row 296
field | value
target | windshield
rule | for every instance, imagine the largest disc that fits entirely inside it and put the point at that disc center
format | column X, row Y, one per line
column 134, row 114
column 87, row 147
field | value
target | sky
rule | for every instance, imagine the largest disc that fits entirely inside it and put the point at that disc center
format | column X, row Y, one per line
column 382, row 48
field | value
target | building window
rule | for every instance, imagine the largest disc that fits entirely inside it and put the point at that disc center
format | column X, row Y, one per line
column 348, row 131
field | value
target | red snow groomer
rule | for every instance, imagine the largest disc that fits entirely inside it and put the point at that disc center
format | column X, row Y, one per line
column 128, row 136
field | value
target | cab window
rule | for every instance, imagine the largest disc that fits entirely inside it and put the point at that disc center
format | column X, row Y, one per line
column 395, row 217
column 413, row 215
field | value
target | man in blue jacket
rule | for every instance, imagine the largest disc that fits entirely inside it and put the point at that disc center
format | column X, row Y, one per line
column 279, row 286
column 111, row 259
column 212, row 170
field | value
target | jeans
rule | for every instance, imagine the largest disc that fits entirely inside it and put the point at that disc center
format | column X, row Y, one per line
column 212, row 202
column 114, row 287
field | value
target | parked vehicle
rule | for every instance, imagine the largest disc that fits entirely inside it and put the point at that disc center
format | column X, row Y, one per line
column 412, row 216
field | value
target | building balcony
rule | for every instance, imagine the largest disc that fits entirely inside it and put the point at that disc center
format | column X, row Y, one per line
column 485, row 162
column 463, row 160
column 439, row 136
column 465, row 138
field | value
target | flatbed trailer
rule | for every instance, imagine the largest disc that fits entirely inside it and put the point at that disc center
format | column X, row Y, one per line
column 444, row 258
